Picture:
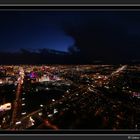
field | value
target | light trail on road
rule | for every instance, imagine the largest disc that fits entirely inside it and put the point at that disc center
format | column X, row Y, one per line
column 18, row 93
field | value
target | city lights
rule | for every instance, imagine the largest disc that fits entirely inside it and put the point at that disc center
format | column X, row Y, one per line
column 78, row 96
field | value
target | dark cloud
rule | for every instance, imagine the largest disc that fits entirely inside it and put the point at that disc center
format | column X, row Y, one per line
column 108, row 35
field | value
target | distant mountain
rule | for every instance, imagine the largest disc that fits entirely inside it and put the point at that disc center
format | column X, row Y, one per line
column 48, row 56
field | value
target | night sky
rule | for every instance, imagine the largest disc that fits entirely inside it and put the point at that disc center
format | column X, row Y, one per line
column 94, row 33
column 32, row 31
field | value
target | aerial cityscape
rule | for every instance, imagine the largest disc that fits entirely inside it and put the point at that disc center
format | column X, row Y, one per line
column 69, row 70
column 70, row 97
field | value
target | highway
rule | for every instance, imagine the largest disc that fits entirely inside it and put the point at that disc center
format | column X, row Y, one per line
column 17, row 102
column 119, row 70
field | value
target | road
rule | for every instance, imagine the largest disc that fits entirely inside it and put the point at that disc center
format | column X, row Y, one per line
column 16, row 104
column 119, row 70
